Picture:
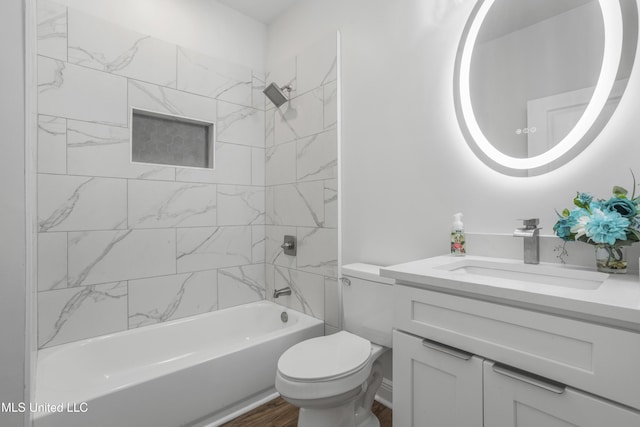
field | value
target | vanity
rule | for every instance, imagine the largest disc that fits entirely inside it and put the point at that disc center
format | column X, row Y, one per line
column 495, row 342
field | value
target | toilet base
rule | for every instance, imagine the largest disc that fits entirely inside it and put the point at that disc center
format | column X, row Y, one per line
column 350, row 409
column 369, row 421
column 341, row 416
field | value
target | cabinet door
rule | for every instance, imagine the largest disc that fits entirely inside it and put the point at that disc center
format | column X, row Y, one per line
column 434, row 385
column 514, row 398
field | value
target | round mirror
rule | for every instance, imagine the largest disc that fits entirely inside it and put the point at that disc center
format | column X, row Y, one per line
column 536, row 81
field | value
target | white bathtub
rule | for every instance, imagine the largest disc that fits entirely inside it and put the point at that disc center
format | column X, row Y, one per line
column 197, row 371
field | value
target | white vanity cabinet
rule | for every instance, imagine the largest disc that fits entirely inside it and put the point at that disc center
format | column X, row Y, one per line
column 517, row 399
column 463, row 362
column 434, row 385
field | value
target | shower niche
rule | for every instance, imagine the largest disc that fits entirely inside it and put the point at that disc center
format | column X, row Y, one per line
column 164, row 139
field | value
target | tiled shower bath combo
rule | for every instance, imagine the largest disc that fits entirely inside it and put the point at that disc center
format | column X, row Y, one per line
column 123, row 245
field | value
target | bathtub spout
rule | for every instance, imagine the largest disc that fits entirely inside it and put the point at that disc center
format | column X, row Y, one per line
column 283, row 291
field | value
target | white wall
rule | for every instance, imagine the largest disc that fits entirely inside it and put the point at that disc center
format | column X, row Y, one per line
column 203, row 25
column 12, row 212
column 406, row 166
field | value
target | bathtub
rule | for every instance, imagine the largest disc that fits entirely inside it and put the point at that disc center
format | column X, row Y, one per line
column 198, row 371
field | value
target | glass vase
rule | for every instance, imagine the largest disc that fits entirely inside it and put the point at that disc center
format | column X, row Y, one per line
column 611, row 259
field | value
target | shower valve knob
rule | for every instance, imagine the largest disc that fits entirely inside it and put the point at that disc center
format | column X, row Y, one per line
column 289, row 245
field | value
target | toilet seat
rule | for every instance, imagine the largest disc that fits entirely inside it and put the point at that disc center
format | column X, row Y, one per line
column 325, row 358
column 325, row 367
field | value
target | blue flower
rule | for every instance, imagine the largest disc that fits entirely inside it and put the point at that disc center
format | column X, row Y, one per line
column 596, row 204
column 603, row 226
column 567, row 221
column 623, row 206
column 562, row 228
column 584, row 198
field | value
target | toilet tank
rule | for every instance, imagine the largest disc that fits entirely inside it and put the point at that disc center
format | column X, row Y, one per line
column 367, row 303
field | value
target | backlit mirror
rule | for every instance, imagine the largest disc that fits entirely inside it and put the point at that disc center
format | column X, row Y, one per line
column 536, row 81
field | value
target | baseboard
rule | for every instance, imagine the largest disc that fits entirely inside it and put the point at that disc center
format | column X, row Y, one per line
column 385, row 393
column 238, row 409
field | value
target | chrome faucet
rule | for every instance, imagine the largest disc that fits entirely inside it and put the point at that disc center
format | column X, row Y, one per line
column 283, row 291
column 531, row 234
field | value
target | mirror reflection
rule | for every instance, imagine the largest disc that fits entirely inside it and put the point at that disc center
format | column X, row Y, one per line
column 531, row 72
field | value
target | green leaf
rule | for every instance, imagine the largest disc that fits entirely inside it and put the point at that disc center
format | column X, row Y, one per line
column 620, row 192
column 635, row 235
column 582, row 238
column 566, row 213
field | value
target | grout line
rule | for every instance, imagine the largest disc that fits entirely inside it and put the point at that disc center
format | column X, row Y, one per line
column 66, row 11
column 129, row 79
column 107, row 124
column 128, row 280
column 128, row 307
column 203, row 183
column 176, row 249
column 185, row 92
column 217, row 289
column 130, row 121
column 66, row 146
column 186, row 227
column 251, row 166
column 126, row 190
column 68, row 275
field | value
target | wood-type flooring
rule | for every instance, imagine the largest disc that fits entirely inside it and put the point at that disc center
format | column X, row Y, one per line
column 279, row 413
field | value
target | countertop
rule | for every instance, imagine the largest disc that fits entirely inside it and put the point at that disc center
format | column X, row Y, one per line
column 615, row 302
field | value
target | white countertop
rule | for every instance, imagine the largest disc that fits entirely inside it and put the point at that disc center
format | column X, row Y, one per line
column 616, row 302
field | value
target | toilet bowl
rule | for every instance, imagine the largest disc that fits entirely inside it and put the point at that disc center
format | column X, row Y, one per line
column 334, row 379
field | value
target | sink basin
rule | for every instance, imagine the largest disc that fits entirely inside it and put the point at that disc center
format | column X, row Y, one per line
column 538, row 274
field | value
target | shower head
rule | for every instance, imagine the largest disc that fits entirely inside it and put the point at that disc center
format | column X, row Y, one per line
column 276, row 94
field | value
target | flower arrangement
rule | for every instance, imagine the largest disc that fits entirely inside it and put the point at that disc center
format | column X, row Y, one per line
column 608, row 224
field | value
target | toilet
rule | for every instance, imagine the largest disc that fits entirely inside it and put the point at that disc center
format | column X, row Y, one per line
column 334, row 379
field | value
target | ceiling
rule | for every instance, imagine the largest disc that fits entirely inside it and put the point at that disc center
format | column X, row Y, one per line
column 264, row 11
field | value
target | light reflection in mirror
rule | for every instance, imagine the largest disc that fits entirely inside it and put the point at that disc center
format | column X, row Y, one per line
column 521, row 56
column 533, row 84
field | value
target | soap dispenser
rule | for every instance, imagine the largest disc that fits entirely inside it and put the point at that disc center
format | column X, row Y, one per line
column 457, row 236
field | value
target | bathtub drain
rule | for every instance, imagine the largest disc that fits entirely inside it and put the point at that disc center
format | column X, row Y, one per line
column 284, row 317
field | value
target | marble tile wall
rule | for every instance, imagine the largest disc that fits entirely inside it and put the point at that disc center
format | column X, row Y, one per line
column 301, row 183
column 124, row 245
